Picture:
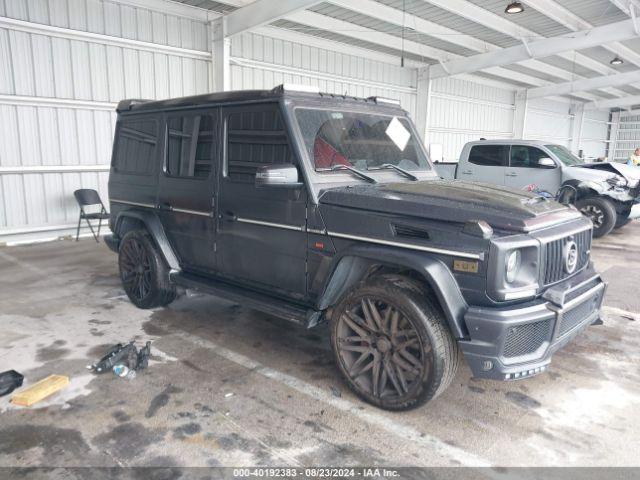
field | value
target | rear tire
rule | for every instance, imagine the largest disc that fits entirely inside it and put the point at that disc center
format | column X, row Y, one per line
column 143, row 271
column 391, row 343
column 601, row 212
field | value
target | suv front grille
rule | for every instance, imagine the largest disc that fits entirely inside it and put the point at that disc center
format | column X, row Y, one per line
column 554, row 257
column 527, row 338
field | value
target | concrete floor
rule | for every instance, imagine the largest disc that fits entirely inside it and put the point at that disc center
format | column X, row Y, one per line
column 229, row 386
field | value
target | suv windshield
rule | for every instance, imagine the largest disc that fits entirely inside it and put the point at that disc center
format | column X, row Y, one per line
column 565, row 155
column 359, row 140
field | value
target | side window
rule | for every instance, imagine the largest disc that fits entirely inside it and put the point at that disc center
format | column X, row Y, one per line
column 189, row 146
column 136, row 146
column 523, row 156
column 255, row 138
column 489, row 155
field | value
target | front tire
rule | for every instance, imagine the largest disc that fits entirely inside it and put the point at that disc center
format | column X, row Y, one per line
column 143, row 272
column 622, row 220
column 391, row 343
column 601, row 212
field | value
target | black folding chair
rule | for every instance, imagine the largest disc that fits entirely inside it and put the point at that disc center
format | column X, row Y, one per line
column 87, row 197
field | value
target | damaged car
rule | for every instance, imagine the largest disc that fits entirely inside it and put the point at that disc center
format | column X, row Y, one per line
column 608, row 193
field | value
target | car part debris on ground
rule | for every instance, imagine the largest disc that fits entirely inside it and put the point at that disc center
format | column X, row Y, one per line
column 9, row 381
column 123, row 371
column 40, row 390
column 123, row 355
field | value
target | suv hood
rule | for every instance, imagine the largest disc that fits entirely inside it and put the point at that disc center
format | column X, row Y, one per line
column 453, row 200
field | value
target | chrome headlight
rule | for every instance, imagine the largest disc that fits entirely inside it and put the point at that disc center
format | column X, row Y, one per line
column 514, row 260
column 513, row 272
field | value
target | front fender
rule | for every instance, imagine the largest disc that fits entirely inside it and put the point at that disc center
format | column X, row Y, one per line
column 154, row 227
column 572, row 190
column 351, row 265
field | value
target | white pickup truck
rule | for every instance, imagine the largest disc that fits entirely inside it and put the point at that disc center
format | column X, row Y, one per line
column 608, row 192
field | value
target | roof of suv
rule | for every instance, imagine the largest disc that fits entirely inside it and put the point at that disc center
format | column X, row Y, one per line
column 277, row 93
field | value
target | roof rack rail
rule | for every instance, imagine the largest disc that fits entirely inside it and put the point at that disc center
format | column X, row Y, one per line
column 294, row 87
column 129, row 103
column 391, row 101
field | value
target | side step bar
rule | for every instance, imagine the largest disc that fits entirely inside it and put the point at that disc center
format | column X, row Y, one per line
column 258, row 301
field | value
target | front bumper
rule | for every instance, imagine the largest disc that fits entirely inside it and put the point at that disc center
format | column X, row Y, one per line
column 635, row 210
column 518, row 341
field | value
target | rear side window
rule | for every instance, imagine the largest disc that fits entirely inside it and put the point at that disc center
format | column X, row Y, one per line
column 136, row 146
column 255, row 138
column 190, row 146
column 489, row 155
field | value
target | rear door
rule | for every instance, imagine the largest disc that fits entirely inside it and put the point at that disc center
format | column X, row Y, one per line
column 186, row 193
column 261, row 231
column 485, row 163
column 524, row 170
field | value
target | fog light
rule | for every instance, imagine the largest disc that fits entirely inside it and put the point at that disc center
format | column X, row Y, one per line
column 487, row 365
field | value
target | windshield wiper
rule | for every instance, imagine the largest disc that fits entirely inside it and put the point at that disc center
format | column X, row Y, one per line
column 401, row 171
column 356, row 172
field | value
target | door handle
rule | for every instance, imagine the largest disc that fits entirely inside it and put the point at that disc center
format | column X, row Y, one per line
column 232, row 217
column 165, row 207
column 467, row 172
column 511, row 174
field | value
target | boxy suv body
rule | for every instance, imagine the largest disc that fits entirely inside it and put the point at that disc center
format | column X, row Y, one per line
column 317, row 208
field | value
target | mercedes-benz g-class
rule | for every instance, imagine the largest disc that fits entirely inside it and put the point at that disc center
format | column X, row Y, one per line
column 324, row 209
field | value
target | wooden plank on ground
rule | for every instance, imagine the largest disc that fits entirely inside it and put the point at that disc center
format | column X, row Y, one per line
column 40, row 390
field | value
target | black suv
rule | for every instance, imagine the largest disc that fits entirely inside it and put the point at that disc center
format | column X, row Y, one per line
column 325, row 209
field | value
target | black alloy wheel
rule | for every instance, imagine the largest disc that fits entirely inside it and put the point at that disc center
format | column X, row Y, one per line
column 391, row 344
column 143, row 272
column 380, row 349
column 135, row 269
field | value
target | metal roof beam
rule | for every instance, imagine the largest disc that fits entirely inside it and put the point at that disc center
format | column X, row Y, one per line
column 584, row 85
column 397, row 17
column 613, row 103
column 560, row 14
column 625, row 4
column 262, row 12
column 500, row 24
column 318, row 21
column 540, row 48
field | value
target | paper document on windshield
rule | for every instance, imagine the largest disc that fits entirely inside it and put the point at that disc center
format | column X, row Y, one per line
column 398, row 133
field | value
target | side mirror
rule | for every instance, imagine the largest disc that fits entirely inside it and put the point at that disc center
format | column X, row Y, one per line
column 546, row 162
column 280, row 175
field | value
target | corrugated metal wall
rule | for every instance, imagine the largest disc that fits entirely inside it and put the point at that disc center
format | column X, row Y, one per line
column 462, row 111
column 595, row 134
column 552, row 121
column 58, row 90
column 628, row 135
column 548, row 120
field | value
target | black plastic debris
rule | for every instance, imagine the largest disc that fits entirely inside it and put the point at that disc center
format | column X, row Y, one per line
column 126, row 354
column 9, row 381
